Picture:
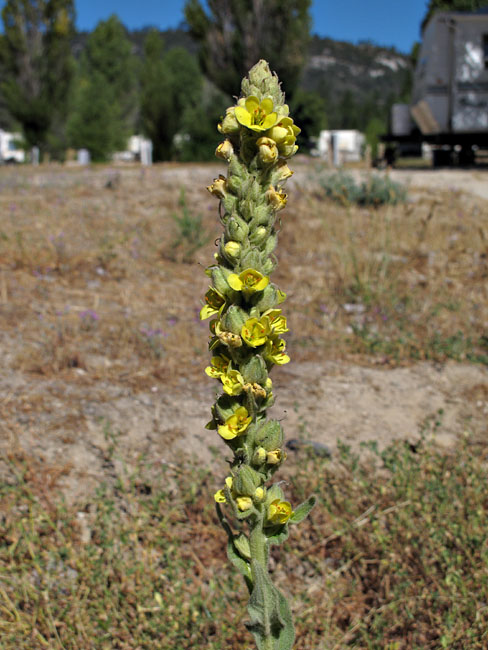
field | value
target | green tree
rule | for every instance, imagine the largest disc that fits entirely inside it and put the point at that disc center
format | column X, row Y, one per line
column 37, row 68
column 171, row 84
column 310, row 112
column 235, row 34
column 452, row 5
column 106, row 99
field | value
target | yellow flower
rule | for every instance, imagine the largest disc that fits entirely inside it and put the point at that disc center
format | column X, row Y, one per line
column 248, row 281
column 256, row 115
column 236, row 424
column 218, row 366
column 275, row 457
column 215, row 303
column 219, row 496
column 284, row 133
column 233, row 382
column 218, row 187
column 225, row 150
column 279, row 512
column 267, row 150
column 275, row 351
column 276, row 320
column 255, row 332
column 277, row 199
column 244, row 503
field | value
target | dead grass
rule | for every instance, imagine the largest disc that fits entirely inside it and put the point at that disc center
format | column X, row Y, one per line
column 94, row 291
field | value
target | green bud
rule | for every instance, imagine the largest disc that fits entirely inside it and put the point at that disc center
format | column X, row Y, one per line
column 238, row 169
column 225, row 407
column 229, row 202
column 258, row 236
column 268, row 266
column 262, row 83
column 242, row 545
column 247, row 480
column 261, row 216
column 252, row 260
column 234, row 184
column 236, row 228
column 254, row 370
column 219, row 279
column 234, row 319
column 267, row 299
column 270, row 244
column 270, row 435
column 259, row 456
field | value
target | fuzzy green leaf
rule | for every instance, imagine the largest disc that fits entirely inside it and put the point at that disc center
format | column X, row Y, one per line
column 232, row 553
column 269, row 613
column 303, row 510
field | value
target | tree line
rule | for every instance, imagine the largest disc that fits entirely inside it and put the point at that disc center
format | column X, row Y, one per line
column 96, row 98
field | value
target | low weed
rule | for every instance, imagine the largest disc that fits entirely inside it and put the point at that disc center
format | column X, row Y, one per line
column 191, row 235
column 374, row 191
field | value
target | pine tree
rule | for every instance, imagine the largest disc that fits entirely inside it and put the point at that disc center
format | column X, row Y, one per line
column 105, row 106
column 37, row 67
column 238, row 33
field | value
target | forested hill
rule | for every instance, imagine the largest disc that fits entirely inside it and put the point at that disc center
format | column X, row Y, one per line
column 357, row 81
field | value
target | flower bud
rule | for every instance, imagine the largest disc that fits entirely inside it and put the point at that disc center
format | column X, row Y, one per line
column 267, row 150
column 229, row 124
column 232, row 249
column 270, row 435
column 242, row 545
column 244, row 503
column 259, row 494
column 225, row 150
column 234, row 319
column 247, row 480
column 275, row 457
column 259, row 456
column 258, row 236
column 254, row 370
column 218, row 187
column 236, row 228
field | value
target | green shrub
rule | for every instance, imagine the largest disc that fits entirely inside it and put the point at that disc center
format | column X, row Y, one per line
column 375, row 190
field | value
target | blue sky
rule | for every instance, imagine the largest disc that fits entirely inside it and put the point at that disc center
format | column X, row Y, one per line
column 386, row 22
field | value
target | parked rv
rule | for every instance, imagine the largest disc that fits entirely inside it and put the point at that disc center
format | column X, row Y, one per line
column 340, row 146
column 449, row 108
column 10, row 151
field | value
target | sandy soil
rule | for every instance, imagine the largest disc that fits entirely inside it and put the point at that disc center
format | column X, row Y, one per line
column 79, row 429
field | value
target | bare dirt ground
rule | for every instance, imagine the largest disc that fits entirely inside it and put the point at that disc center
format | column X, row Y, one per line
column 67, row 418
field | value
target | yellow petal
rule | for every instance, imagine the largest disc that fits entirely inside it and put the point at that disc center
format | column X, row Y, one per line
column 267, row 105
column 234, row 282
column 243, row 116
column 252, row 103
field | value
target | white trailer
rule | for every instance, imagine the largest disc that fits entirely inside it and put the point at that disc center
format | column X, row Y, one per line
column 341, row 146
column 449, row 108
column 10, row 150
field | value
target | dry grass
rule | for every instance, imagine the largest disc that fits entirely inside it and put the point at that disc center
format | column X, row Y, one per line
column 95, row 289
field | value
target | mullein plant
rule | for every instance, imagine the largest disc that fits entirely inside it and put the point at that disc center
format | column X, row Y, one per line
column 246, row 327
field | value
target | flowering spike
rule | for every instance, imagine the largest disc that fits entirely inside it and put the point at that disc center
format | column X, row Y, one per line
column 246, row 340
